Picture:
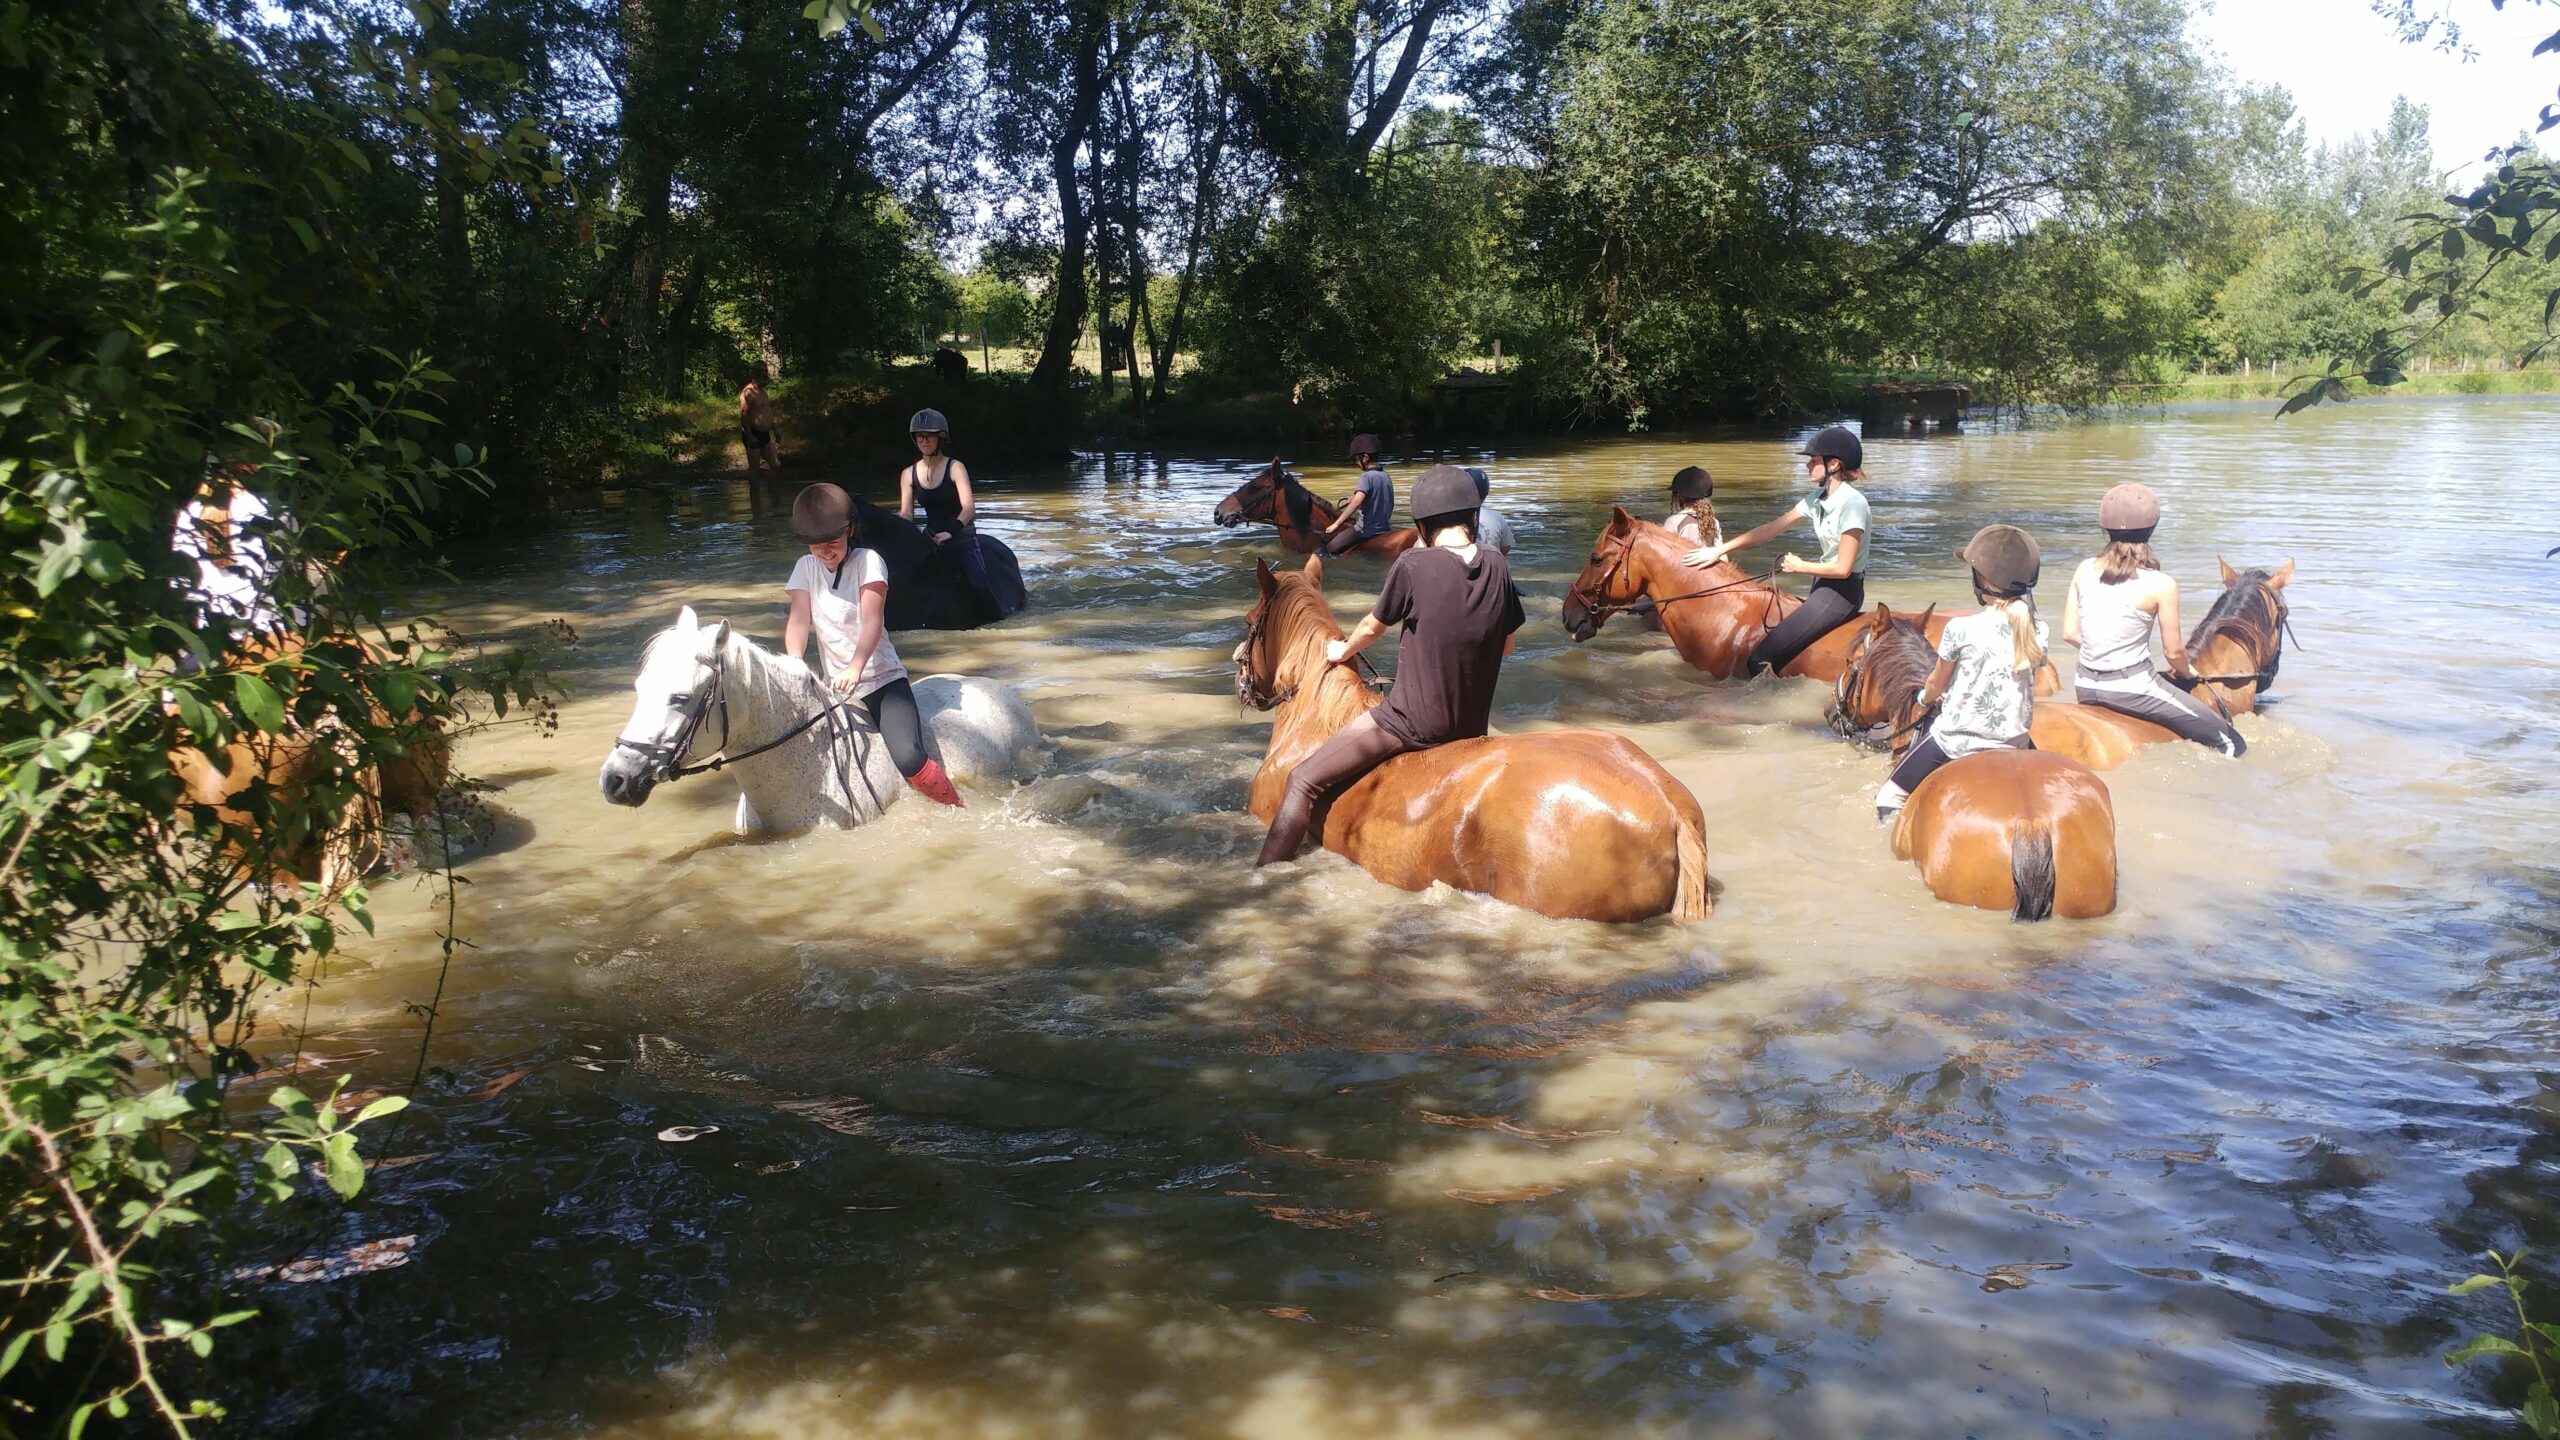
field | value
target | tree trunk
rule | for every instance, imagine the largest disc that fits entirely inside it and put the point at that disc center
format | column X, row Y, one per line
column 1067, row 307
column 680, row 325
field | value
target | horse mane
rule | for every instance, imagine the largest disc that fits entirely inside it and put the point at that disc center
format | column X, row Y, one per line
column 1303, row 619
column 1901, row 659
column 2247, row 610
column 1301, row 502
column 901, row 545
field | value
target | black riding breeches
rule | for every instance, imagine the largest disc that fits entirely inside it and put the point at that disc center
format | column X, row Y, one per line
column 1354, row 751
column 1918, row 763
column 892, row 708
column 1343, row 539
column 2165, row 705
column 1827, row 606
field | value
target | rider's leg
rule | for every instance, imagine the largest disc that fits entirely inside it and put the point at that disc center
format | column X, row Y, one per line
column 1916, row 765
column 1354, row 750
column 893, row 713
column 2165, row 705
column 1827, row 606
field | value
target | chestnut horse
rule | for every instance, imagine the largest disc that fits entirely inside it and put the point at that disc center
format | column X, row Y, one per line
column 1888, row 663
column 2238, row 644
column 2024, row 831
column 1574, row 824
column 1276, row 496
column 1714, row 616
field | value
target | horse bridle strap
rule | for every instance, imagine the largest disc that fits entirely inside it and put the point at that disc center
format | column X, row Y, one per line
column 1601, row 608
column 663, row 755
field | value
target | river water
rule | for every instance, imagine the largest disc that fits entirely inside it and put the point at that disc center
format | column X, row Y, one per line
column 1051, row 1118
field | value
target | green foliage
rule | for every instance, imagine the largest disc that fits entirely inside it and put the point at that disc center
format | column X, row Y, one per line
column 2538, row 1344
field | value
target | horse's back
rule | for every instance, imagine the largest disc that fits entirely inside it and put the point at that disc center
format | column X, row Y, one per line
column 1576, row 824
column 1984, row 825
column 1827, row 657
column 2095, row 736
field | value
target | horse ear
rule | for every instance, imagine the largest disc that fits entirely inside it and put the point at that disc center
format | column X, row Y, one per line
column 2228, row 574
column 1315, row 571
column 2283, row 575
column 686, row 624
column 1262, row 575
column 720, row 638
column 1882, row 619
column 1619, row 518
column 1928, row 615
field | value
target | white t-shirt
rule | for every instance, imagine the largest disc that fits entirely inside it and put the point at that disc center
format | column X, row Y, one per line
column 839, row 624
column 232, row 591
column 1990, row 702
column 1685, row 525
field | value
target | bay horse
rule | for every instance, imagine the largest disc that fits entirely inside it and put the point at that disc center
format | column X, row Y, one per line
column 1714, row 616
column 2239, row 643
column 1573, row 824
column 709, row 699
column 1275, row 496
column 2025, row 831
column 1888, row 663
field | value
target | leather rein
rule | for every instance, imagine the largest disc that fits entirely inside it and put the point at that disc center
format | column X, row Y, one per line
column 665, row 756
column 1596, row 604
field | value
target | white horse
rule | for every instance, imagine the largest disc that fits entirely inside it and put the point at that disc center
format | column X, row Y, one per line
column 710, row 699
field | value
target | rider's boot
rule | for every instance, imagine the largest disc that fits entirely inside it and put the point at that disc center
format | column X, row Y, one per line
column 934, row 785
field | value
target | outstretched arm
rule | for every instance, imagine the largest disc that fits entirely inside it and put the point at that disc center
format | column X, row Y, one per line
column 1760, row 534
column 2173, row 644
column 1362, row 636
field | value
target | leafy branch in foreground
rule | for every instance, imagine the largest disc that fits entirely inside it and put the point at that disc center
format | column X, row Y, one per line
column 2540, row 1346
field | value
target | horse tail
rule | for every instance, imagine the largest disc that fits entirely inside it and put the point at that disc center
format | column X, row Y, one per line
column 2031, row 868
column 1689, row 897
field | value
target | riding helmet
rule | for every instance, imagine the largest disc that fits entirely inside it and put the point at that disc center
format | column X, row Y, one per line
column 1366, row 445
column 1445, row 494
column 1484, row 482
column 2004, row 558
column 929, row 422
column 1692, row 483
column 2127, row 508
column 820, row 513
column 1840, row 442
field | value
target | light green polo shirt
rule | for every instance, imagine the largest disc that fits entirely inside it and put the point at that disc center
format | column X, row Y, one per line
column 1845, row 510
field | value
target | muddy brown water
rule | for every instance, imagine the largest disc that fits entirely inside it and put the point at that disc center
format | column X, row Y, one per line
column 1052, row 1118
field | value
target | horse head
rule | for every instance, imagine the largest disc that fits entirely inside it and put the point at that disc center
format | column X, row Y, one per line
column 1252, row 500
column 1260, row 655
column 2240, row 641
column 676, row 691
column 1605, row 585
column 1881, row 677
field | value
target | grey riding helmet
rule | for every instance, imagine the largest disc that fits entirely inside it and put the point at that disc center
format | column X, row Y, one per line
column 820, row 513
column 929, row 422
column 1445, row 495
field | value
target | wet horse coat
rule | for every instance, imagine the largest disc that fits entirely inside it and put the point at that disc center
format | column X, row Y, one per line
column 1575, row 824
column 1888, row 663
column 2239, row 643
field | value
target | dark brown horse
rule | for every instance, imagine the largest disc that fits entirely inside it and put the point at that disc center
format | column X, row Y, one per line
column 2239, row 643
column 1277, row 497
column 1888, row 663
column 2024, row 831
column 1574, row 824
column 1714, row 616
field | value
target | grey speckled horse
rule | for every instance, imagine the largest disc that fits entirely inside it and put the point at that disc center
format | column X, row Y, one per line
column 711, row 699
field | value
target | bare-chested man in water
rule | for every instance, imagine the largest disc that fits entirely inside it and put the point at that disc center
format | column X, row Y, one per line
column 755, row 420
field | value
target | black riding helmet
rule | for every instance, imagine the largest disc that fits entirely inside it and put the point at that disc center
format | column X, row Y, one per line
column 1445, row 495
column 1366, row 445
column 821, row 513
column 929, row 422
column 1692, row 483
column 2005, row 560
column 1841, row 443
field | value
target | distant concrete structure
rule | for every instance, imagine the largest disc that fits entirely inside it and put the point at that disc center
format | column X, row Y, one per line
column 1893, row 408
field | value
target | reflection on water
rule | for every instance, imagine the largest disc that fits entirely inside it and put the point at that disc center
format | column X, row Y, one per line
column 1050, row 1117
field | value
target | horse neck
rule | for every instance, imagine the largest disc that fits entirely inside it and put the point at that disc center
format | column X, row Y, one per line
column 1320, row 512
column 1324, row 697
column 1712, row 632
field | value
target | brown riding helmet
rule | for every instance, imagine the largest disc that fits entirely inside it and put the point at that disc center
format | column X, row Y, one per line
column 2129, row 507
column 820, row 513
column 1365, row 445
column 1692, row 483
column 2004, row 558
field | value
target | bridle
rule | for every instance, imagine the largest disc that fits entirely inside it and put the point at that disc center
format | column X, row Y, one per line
column 1595, row 603
column 1256, row 626
column 665, row 755
column 1853, row 671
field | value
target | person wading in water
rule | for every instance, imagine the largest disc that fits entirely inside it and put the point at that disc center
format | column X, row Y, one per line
column 1459, row 610
column 2119, row 598
column 755, row 420
column 938, row 486
column 1839, row 514
column 1986, row 666
column 1370, row 509
column 840, row 589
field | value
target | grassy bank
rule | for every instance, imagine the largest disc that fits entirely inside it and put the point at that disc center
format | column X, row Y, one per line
column 2275, row 385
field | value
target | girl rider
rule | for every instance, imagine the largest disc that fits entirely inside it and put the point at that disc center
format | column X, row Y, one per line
column 1370, row 509
column 1459, row 608
column 1695, row 520
column 939, row 486
column 840, row 589
column 2119, row 597
column 1839, row 515
column 1986, row 666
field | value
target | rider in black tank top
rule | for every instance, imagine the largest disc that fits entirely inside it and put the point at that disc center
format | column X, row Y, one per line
column 945, row 505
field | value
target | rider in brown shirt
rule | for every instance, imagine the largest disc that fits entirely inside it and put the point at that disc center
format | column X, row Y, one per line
column 1459, row 610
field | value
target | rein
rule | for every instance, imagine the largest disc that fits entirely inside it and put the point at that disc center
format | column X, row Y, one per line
column 664, row 755
column 1600, row 608
column 1852, row 675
